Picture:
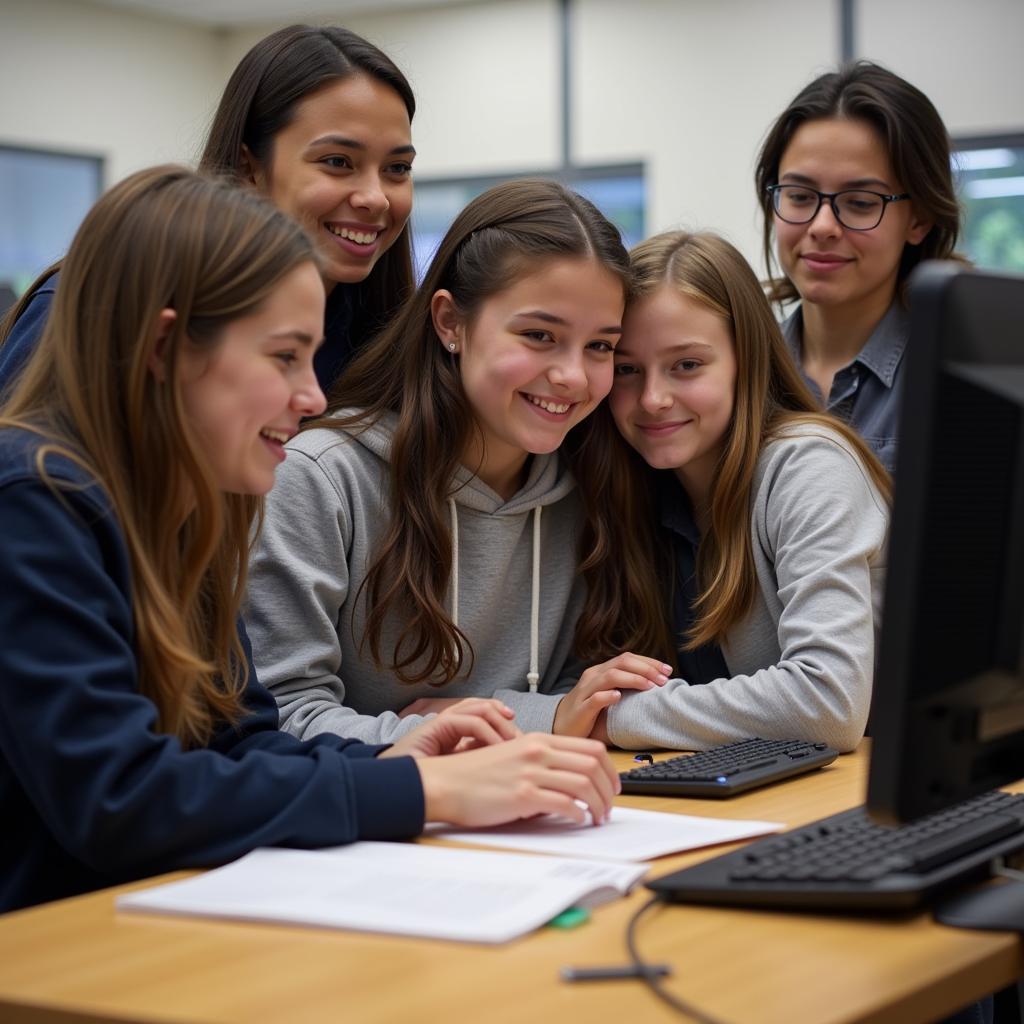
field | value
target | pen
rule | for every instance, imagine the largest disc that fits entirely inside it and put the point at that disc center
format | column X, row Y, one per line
column 614, row 973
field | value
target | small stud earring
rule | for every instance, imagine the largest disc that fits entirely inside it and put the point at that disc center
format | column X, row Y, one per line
column 451, row 346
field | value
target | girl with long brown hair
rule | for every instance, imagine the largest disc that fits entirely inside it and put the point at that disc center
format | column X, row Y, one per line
column 772, row 515
column 318, row 120
column 150, row 420
column 426, row 538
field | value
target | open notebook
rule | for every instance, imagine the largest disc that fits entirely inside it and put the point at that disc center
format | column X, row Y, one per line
column 440, row 892
column 403, row 889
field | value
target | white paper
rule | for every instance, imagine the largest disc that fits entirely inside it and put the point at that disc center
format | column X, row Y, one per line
column 629, row 835
column 405, row 889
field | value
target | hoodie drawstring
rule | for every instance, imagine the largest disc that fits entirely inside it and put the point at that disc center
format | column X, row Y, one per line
column 533, row 676
column 455, row 563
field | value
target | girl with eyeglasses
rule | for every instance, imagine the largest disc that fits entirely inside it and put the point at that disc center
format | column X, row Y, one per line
column 318, row 120
column 856, row 188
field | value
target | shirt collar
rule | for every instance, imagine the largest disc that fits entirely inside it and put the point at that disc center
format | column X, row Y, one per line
column 884, row 348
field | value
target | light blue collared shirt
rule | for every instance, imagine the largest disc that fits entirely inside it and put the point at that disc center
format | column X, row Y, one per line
column 867, row 393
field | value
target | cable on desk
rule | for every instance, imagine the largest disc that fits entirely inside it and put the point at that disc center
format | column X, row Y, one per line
column 651, row 979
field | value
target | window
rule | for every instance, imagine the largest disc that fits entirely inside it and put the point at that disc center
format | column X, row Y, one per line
column 617, row 191
column 43, row 198
column 990, row 173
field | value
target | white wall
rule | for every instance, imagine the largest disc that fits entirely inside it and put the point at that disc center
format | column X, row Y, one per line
column 80, row 77
column 485, row 76
column 965, row 54
column 686, row 86
column 689, row 89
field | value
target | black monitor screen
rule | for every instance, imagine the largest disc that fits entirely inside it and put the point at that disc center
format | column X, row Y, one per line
column 947, row 714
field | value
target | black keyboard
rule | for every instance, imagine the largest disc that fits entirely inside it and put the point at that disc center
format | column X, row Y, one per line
column 728, row 770
column 848, row 862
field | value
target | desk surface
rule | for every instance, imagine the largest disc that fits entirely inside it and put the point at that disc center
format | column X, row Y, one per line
column 77, row 960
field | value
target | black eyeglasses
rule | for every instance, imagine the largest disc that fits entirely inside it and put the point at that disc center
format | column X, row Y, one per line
column 855, row 208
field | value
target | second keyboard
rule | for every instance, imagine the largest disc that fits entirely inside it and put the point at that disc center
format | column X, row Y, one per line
column 727, row 770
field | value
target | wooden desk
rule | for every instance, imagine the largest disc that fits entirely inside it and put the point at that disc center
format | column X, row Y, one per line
column 78, row 960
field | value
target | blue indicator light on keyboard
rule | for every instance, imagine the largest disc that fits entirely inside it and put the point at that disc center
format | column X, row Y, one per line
column 721, row 778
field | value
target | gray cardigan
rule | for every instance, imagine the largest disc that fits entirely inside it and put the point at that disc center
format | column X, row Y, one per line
column 802, row 660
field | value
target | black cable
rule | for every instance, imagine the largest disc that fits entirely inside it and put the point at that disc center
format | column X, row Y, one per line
column 651, row 979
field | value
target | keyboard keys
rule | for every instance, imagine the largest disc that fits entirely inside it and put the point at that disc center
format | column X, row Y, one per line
column 847, row 861
column 729, row 769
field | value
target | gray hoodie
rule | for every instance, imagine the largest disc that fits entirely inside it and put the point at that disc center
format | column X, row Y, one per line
column 324, row 519
column 802, row 660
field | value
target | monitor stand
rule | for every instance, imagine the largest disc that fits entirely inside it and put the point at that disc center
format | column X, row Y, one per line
column 997, row 906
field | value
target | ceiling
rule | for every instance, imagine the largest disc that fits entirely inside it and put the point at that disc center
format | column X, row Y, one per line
column 248, row 12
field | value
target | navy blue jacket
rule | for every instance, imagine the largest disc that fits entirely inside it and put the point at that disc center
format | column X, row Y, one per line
column 90, row 793
column 331, row 358
column 22, row 340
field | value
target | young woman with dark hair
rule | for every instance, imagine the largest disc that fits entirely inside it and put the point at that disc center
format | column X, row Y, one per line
column 856, row 188
column 318, row 120
column 134, row 451
column 426, row 540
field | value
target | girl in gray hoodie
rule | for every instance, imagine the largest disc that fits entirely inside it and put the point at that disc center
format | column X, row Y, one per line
column 423, row 543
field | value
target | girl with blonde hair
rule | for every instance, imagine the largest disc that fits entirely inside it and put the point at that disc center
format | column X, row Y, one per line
column 766, row 518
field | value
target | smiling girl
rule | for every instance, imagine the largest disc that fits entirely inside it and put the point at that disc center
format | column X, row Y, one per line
column 424, row 541
column 134, row 736
column 856, row 188
column 775, row 514
column 318, row 120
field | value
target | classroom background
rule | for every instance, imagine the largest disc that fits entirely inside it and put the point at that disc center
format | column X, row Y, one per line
column 653, row 108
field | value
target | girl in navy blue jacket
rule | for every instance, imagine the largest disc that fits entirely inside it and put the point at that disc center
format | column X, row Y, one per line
column 134, row 737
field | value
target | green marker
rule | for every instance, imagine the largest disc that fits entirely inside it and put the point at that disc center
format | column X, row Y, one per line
column 571, row 918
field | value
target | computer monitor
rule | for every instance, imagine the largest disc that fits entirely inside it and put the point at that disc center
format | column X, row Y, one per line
column 947, row 717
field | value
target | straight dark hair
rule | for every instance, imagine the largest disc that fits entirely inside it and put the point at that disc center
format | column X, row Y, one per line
column 914, row 137
column 510, row 231
column 259, row 102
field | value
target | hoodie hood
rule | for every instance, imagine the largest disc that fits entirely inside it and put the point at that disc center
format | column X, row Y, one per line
column 548, row 479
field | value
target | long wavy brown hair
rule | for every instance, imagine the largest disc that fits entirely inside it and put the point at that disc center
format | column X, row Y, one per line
column 771, row 398
column 162, row 238
column 512, row 230
column 910, row 129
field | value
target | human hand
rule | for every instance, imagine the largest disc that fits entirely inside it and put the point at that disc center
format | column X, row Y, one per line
column 429, row 706
column 601, row 686
column 463, row 725
column 530, row 775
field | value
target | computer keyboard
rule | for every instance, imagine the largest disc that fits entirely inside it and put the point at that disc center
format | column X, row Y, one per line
column 728, row 770
column 846, row 861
